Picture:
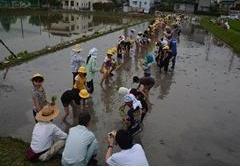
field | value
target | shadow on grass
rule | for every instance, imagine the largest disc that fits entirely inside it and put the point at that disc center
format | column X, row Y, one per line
column 12, row 153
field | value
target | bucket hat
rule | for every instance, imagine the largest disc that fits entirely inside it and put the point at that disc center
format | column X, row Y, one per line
column 84, row 94
column 82, row 70
column 37, row 75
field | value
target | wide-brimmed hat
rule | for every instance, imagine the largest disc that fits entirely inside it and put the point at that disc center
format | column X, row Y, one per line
column 77, row 48
column 84, row 94
column 82, row 69
column 37, row 75
column 114, row 50
column 48, row 113
column 110, row 52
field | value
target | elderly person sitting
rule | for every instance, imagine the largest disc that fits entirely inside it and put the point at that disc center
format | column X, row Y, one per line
column 44, row 133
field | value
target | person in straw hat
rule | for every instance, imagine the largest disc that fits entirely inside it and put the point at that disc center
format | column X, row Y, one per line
column 107, row 66
column 80, row 79
column 44, row 134
column 84, row 95
column 38, row 93
column 76, row 60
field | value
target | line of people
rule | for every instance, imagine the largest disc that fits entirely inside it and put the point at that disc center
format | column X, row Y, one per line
column 80, row 145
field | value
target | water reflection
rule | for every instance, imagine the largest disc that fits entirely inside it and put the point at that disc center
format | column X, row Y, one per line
column 165, row 81
column 6, row 22
column 194, row 33
column 48, row 29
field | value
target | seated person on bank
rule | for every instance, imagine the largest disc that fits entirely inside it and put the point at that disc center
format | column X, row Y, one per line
column 44, row 133
column 81, row 145
column 130, row 154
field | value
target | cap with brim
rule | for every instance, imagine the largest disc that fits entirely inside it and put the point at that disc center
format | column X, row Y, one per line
column 48, row 113
column 77, row 48
column 84, row 94
column 36, row 76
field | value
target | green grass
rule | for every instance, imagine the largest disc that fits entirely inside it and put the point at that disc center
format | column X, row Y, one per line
column 230, row 37
column 235, row 25
column 12, row 152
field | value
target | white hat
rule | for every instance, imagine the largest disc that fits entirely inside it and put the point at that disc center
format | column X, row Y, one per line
column 123, row 91
column 93, row 52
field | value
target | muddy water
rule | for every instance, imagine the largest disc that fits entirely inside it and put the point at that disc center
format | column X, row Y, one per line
column 194, row 119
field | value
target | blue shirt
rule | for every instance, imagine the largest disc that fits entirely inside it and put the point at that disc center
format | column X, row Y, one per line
column 76, row 61
column 80, row 146
column 173, row 46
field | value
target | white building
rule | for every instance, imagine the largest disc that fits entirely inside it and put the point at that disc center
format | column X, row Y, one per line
column 70, row 25
column 141, row 5
column 80, row 4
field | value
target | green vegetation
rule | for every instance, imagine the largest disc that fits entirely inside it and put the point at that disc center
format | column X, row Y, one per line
column 12, row 152
column 235, row 25
column 231, row 37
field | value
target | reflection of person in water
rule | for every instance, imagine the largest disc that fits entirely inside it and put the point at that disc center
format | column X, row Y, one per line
column 165, row 82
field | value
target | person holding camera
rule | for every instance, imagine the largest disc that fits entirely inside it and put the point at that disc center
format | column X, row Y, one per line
column 130, row 154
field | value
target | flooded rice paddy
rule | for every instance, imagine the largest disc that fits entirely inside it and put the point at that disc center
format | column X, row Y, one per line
column 194, row 116
column 38, row 31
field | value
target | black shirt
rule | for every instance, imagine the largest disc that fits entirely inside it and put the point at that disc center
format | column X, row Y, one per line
column 70, row 95
column 147, row 81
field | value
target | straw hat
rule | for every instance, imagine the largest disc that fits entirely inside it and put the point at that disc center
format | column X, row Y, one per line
column 82, row 69
column 166, row 47
column 110, row 52
column 48, row 113
column 37, row 75
column 84, row 94
column 114, row 50
column 77, row 48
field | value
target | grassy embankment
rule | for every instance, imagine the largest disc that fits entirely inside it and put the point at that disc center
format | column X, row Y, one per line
column 230, row 37
column 12, row 152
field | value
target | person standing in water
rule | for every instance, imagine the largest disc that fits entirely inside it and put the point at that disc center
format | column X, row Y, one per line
column 38, row 94
column 91, row 67
column 76, row 60
column 80, row 79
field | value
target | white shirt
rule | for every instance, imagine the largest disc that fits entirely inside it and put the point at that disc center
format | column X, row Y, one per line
column 131, row 157
column 43, row 135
